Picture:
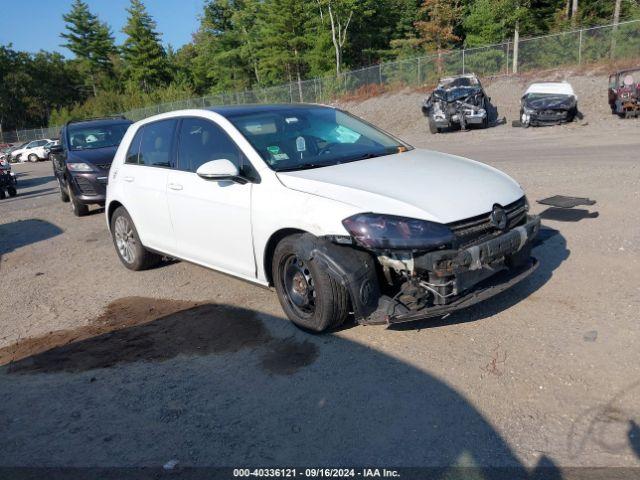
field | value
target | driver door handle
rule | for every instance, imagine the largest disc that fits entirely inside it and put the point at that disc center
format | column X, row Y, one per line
column 175, row 186
column 128, row 179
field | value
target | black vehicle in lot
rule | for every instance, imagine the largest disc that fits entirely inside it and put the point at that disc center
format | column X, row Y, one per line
column 82, row 160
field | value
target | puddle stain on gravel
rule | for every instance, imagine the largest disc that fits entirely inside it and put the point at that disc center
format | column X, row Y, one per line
column 136, row 329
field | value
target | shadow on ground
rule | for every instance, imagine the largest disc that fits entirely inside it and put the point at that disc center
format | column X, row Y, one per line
column 210, row 384
column 20, row 233
column 27, row 181
column 567, row 214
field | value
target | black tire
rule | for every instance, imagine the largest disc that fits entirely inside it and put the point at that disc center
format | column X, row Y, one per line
column 78, row 209
column 2, row 194
column 12, row 191
column 32, row 157
column 134, row 255
column 432, row 126
column 328, row 300
column 64, row 196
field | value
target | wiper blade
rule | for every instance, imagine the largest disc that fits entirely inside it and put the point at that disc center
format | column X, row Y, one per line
column 302, row 166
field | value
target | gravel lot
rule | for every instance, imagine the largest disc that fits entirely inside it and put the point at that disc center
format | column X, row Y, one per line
column 181, row 363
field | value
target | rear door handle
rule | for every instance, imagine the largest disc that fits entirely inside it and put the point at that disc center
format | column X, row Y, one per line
column 175, row 186
column 128, row 179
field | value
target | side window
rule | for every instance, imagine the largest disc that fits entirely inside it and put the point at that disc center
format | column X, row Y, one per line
column 155, row 147
column 134, row 148
column 32, row 144
column 202, row 141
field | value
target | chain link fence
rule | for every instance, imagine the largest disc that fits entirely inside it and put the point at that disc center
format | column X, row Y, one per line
column 588, row 45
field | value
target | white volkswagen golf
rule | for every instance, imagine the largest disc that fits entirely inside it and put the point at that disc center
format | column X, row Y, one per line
column 338, row 216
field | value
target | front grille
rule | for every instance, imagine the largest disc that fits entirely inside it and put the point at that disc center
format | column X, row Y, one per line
column 85, row 186
column 104, row 166
column 478, row 229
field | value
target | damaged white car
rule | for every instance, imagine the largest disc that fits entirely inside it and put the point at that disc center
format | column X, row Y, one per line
column 548, row 103
column 338, row 216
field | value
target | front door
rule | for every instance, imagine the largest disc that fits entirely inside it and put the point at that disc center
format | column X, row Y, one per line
column 212, row 219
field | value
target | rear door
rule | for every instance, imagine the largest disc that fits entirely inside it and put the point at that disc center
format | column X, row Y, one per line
column 211, row 219
column 144, row 178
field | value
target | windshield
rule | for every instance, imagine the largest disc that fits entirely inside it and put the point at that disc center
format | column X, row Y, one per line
column 300, row 138
column 90, row 137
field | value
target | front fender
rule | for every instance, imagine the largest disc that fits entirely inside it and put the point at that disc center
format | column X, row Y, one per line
column 353, row 268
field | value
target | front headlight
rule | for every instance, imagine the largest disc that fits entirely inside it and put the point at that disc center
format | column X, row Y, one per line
column 79, row 167
column 372, row 230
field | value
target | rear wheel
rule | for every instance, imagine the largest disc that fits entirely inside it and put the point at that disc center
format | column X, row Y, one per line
column 12, row 191
column 310, row 297
column 2, row 194
column 32, row 157
column 131, row 252
column 78, row 209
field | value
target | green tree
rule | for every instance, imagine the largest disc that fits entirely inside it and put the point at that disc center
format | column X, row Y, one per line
column 492, row 21
column 91, row 42
column 286, row 34
column 145, row 60
column 225, row 46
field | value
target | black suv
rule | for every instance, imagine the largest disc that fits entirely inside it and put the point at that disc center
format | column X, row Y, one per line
column 81, row 162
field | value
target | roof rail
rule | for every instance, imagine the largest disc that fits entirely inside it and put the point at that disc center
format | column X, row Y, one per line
column 106, row 117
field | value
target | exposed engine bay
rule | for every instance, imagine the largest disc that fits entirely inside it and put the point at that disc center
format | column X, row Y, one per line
column 458, row 101
column 459, row 264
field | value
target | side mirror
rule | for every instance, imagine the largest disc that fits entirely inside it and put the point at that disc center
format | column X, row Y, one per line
column 221, row 169
column 55, row 149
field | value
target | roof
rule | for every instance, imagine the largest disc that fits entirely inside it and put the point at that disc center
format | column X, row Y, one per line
column 99, row 121
column 233, row 110
column 561, row 88
column 626, row 70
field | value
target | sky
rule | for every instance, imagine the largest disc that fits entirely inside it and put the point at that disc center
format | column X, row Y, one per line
column 33, row 25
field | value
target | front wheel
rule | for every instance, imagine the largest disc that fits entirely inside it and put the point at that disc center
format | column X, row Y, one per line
column 131, row 252
column 12, row 191
column 432, row 126
column 64, row 196
column 310, row 297
column 78, row 209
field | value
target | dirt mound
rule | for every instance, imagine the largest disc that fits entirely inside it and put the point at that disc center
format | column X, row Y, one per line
column 399, row 112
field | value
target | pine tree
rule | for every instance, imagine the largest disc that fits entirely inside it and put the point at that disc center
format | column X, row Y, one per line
column 225, row 46
column 436, row 31
column 285, row 40
column 144, row 56
column 90, row 40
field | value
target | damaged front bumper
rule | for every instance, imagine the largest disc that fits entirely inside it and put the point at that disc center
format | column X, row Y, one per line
column 446, row 281
column 546, row 117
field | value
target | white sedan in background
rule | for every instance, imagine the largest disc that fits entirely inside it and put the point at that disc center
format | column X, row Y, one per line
column 33, row 151
column 338, row 216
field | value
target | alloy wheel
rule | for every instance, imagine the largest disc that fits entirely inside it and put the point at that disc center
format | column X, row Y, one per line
column 125, row 240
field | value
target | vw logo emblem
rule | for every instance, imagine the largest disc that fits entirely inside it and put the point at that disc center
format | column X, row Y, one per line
column 499, row 217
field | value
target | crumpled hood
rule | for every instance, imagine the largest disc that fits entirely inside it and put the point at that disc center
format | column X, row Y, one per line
column 96, row 156
column 418, row 184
